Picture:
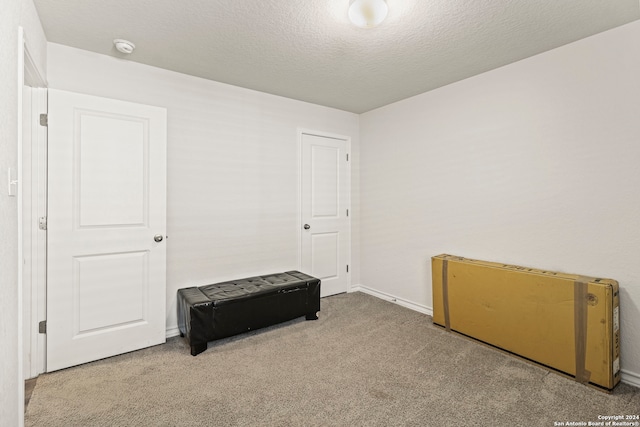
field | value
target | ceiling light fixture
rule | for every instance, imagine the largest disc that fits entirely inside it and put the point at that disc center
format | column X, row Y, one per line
column 124, row 46
column 367, row 13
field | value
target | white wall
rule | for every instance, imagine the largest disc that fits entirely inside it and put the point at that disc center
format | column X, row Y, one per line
column 34, row 35
column 14, row 13
column 232, row 165
column 535, row 163
column 9, row 372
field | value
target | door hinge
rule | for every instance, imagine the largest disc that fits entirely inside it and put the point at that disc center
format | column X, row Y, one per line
column 42, row 223
column 347, row 212
column 347, row 268
column 44, row 119
column 42, row 327
column 347, row 157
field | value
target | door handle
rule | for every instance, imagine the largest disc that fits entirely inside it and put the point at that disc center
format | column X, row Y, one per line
column 307, row 226
column 158, row 238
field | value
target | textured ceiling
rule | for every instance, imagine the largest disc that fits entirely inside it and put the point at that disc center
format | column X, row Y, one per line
column 308, row 50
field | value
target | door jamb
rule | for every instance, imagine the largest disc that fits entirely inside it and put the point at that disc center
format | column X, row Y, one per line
column 32, row 254
column 347, row 139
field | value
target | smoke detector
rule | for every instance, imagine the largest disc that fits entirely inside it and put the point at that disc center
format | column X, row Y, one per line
column 124, row 46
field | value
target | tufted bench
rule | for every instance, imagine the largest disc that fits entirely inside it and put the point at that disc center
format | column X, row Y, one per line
column 221, row 310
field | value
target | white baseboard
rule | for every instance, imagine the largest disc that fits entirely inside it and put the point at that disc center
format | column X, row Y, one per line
column 394, row 299
column 630, row 378
column 173, row 332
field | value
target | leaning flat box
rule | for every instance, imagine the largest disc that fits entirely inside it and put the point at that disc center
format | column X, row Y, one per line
column 563, row 321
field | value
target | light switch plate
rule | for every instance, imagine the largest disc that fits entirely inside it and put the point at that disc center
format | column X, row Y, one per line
column 12, row 183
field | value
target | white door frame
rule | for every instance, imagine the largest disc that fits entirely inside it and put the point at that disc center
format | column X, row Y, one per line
column 31, row 252
column 300, row 133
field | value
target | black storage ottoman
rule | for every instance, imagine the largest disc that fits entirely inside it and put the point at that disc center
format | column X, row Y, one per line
column 221, row 310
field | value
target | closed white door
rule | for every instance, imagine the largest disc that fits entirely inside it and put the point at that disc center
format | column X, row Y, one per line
column 325, row 204
column 106, row 228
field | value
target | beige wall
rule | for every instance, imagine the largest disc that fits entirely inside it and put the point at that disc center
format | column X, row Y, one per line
column 535, row 163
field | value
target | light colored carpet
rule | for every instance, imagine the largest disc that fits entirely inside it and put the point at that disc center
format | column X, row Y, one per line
column 365, row 362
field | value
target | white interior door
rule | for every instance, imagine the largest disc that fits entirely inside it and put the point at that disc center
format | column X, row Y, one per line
column 325, row 204
column 106, row 228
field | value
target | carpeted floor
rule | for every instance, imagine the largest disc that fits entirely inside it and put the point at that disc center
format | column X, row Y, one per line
column 365, row 362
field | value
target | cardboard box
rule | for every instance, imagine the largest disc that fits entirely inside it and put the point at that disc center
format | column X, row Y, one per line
column 563, row 321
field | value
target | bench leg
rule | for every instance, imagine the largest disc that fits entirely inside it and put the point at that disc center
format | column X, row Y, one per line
column 312, row 316
column 198, row 348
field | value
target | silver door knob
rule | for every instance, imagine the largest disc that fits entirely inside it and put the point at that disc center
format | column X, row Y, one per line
column 307, row 226
column 158, row 238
